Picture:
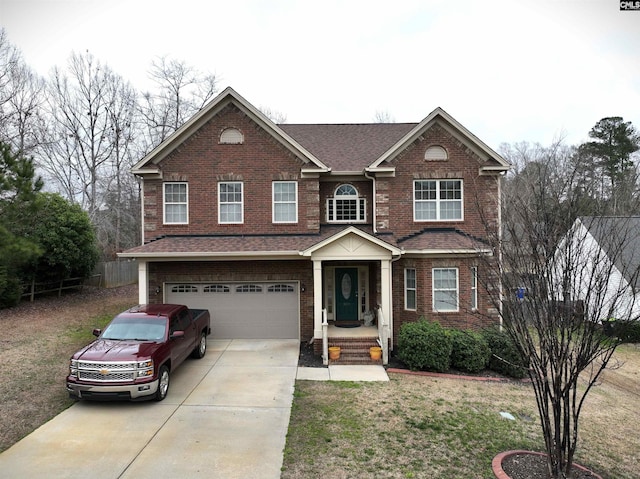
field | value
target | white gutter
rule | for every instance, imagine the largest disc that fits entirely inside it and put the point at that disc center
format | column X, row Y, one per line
column 373, row 201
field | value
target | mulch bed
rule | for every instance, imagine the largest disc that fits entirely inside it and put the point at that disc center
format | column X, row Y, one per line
column 534, row 466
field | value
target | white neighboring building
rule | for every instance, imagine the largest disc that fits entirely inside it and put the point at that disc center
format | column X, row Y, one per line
column 598, row 262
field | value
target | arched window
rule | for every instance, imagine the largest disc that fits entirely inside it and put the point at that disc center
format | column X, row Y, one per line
column 231, row 136
column 436, row 153
column 346, row 206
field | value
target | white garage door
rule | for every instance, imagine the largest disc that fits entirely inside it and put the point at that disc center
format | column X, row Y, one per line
column 243, row 310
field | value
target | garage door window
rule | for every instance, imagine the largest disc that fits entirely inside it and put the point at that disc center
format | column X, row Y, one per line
column 280, row 288
column 216, row 288
column 249, row 288
column 184, row 288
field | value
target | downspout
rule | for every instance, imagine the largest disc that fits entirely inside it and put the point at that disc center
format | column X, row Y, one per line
column 373, row 200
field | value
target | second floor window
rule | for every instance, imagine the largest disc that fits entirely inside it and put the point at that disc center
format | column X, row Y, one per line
column 437, row 200
column 285, row 202
column 230, row 202
column 346, row 206
column 175, row 203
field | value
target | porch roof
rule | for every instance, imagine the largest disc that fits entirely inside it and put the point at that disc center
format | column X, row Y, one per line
column 293, row 246
column 443, row 240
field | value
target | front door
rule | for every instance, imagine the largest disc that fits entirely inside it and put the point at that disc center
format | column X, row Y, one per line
column 346, row 285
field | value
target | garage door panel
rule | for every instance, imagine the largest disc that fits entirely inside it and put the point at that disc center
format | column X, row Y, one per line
column 244, row 310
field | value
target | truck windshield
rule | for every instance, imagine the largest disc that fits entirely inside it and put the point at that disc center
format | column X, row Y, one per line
column 148, row 329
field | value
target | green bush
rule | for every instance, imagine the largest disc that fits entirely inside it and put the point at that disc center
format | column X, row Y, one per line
column 470, row 352
column 425, row 345
column 628, row 331
column 10, row 289
column 505, row 357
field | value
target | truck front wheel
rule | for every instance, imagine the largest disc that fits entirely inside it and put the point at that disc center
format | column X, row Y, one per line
column 163, row 384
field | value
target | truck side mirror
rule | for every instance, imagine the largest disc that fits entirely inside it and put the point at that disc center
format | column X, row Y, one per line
column 177, row 335
column 96, row 332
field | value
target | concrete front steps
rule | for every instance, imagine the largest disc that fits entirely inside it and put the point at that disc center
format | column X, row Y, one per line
column 354, row 351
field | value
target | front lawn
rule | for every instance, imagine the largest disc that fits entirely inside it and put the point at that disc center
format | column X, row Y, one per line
column 425, row 427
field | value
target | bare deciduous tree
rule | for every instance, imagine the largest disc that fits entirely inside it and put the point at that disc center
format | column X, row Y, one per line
column 21, row 100
column 80, row 145
column 558, row 284
column 181, row 92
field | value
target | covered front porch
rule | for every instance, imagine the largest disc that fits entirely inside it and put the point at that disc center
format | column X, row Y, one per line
column 352, row 286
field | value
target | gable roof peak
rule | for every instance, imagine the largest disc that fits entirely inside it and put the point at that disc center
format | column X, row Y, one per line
column 148, row 164
column 440, row 117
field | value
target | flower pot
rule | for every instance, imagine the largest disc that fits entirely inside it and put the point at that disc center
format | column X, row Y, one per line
column 375, row 352
column 334, row 352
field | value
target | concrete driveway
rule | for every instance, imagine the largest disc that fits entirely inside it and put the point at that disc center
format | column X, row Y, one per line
column 226, row 416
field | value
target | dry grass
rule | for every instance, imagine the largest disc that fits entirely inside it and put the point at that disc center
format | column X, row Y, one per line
column 445, row 428
column 37, row 340
column 411, row 427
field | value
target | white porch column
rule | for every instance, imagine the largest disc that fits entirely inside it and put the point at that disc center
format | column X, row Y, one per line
column 387, row 292
column 317, row 299
column 143, row 282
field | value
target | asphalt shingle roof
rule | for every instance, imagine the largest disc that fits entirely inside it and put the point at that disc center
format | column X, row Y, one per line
column 348, row 147
column 444, row 240
column 619, row 238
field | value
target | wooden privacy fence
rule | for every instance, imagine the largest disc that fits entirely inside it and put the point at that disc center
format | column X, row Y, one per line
column 33, row 288
column 111, row 274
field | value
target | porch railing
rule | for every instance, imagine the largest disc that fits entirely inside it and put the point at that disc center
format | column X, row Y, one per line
column 325, row 338
column 383, row 336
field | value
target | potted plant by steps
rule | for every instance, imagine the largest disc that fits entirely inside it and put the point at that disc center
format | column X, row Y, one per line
column 334, row 352
column 375, row 352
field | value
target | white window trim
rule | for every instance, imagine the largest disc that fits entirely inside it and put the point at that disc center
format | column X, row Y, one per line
column 438, row 200
column 433, row 291
column 274, row 202
column 165, row 203
column 361, row 205
column 474, row 288
column 407, row 289
column 241, row 203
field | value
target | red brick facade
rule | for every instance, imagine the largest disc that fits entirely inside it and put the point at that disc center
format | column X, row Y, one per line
column 201, row 161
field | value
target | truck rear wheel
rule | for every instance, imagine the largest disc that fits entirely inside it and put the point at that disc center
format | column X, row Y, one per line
column 163, row 383
column 201, row 348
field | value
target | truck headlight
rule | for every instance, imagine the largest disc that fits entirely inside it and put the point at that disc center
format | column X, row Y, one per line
column 145, row 368
column 73, row 368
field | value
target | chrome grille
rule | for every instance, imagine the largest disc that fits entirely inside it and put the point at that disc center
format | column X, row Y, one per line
column 97, row 376
column 106, row 371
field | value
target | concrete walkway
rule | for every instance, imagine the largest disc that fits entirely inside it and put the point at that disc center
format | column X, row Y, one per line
column 226, row 416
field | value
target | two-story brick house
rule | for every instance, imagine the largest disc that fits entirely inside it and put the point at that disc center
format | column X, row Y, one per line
column 275, row 227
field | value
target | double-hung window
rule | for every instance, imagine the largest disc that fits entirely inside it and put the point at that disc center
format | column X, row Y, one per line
column 230, row 202
column 410, row 289
column 437, row 200
column 285, row 202
column 176, row 204
column 445, row 289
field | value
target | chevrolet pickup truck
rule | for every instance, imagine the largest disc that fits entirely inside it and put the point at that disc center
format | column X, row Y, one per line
column 135, row 354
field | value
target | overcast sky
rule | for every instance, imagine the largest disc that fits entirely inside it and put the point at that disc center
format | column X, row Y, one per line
column 513, row 70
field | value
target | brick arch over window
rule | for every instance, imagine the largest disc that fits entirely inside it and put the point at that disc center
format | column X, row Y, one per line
column 436, row 153
column 231, row 136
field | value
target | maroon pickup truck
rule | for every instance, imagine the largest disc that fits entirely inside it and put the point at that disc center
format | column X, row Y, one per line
column 134, row 355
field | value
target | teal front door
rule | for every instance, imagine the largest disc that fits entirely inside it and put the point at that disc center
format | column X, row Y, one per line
column 346, row 284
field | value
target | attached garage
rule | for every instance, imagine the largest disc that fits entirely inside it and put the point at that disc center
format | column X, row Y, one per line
column 251, row 310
